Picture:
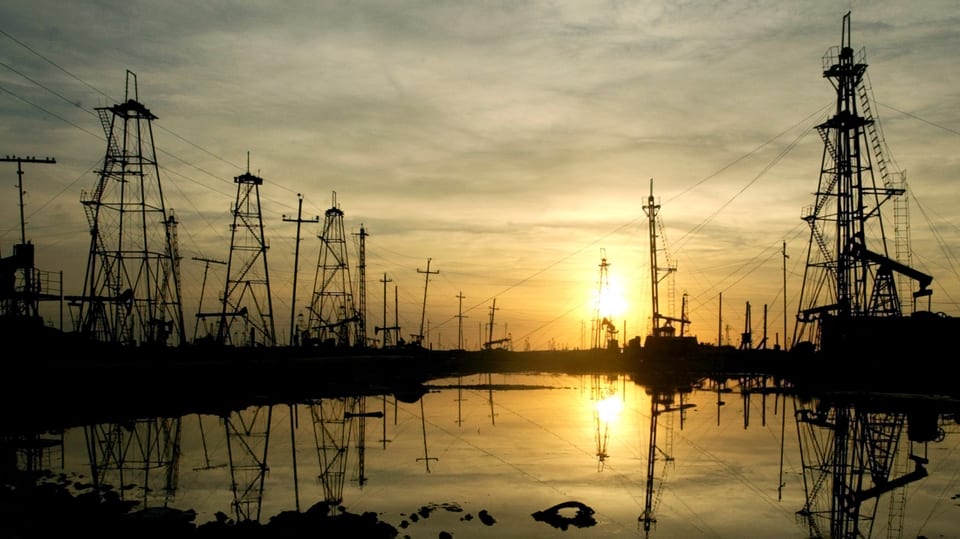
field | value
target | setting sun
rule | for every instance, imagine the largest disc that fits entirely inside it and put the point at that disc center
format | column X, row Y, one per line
column 609, row 299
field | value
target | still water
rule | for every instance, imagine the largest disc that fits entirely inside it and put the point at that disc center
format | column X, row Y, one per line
column 480, row 455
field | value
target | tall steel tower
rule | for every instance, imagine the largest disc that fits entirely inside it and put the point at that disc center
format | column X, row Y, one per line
column 604, row 332
column 657, row 274
column 849, row 271
column 246, row 295
column 333, row 319
column 132, row 284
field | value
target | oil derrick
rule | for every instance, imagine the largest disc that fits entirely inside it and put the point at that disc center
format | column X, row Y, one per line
column 132, row 283
column 333, row 318
column 849, row 451
column 847, row 212
column 657, row 274
column 144, row 453
column 246, row 295
column 333, row 423
column 248, row 439
column 362, row 289
column 604, row 331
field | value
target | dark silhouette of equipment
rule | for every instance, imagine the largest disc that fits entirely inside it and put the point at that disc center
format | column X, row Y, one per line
column 248, row 442
column 334, row 320
column 131, row 291
column 296, row 266
column 22, row 285
column 246, row 294
column 419, row 337
column 855, row 182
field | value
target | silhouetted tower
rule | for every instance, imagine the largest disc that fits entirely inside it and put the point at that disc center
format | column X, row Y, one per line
column 131, row 291
column 460, row 317
column 246, row 295
column 362, row 289
column 847, row 210
column 605, row 333
column 333, row 318
column 657, row 274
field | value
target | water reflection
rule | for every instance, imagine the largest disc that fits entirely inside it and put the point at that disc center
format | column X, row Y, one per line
column 139, row 457
column 528, row 455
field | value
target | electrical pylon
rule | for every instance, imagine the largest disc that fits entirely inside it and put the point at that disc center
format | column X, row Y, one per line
column 246, row 295
column 132, row 282
column 333, row 318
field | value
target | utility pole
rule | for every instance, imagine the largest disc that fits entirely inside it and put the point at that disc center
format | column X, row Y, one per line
column 296, row 265
column 720, row 321
column 493, row 309
column 386, row 329
column 460, row 318
column 396, row 319
column 20, row 160
column 423, row 312
column 785, row 257
column 23, row 254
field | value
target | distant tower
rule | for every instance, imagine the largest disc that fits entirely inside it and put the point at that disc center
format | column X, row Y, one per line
column 362, row 290
column 247, row 292
column 333, row 317
column 604, row 332
column 132, row 284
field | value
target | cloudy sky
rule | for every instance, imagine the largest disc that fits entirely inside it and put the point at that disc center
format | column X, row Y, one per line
column 511, row 144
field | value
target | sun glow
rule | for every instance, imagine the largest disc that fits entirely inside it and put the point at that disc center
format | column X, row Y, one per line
column 610, row 299
column 609, row 409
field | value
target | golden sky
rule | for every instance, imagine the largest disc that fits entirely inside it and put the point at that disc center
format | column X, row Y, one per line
column 511, row 144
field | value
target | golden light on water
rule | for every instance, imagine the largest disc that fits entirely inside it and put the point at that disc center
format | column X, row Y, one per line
column 609, row 408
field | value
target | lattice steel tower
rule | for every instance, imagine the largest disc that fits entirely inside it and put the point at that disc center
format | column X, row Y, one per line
column 131, row 291
column 844, row 276
column 246, row 295
column 334, row 319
